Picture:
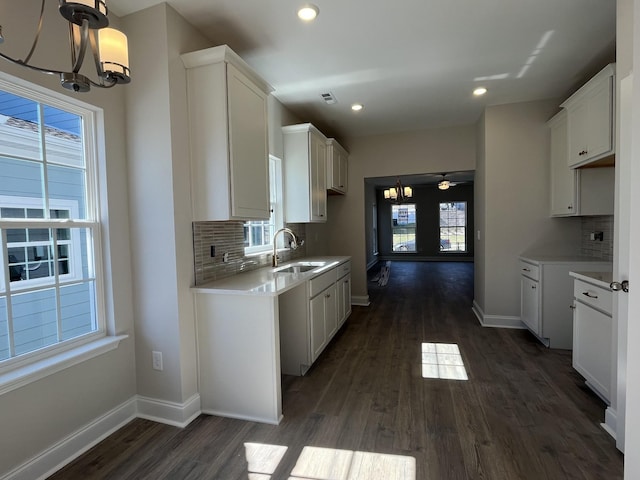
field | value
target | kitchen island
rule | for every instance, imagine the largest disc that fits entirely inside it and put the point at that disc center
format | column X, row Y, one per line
column 244, row 321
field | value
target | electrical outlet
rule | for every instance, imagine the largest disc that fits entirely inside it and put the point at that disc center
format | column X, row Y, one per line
column 156, row 358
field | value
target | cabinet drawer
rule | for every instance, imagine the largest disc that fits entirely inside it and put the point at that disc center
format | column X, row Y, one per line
column 343, row 269
column 530, row 270
column 593, row 296
column 321, row 282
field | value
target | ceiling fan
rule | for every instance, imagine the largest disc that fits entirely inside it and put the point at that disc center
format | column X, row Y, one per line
column 444, row 184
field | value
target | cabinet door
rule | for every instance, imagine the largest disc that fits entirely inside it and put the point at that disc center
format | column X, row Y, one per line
column 318, row 332
column 248, row 147
column 600, row 131
column 318, row 171
column 344, row 299
column 563, row 178
column 578, row 133
column 337, row 163
column 592, row 338
column 331, row 311
column 530, row 309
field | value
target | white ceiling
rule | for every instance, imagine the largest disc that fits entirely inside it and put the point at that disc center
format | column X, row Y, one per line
column 412, row 63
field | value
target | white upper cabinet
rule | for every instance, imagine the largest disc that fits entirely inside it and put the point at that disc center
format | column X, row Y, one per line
column 337, row 167
column 563, row 178
column 228, row 136
column 591, row 119
column 305, row 174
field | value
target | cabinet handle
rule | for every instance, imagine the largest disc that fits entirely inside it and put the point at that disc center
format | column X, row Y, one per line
column 328, row 295
column 533, row 287
column 572, row 307
column 526, row 270
column 570, row 207
column 587, row 294
column 583, row 152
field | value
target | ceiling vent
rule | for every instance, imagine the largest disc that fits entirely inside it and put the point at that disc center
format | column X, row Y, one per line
column 328, row 98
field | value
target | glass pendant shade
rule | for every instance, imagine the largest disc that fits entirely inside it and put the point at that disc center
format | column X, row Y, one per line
column 114, row 54
column 94, row 11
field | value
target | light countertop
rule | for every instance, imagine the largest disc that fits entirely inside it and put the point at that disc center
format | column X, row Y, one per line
column 267, row 280
column 601, row 279
column 558, row 259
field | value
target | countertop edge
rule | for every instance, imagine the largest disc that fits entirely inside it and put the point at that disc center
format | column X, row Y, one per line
column 598, row 279
column 211, row 287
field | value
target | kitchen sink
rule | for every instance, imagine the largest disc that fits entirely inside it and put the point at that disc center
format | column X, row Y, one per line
column 300, row 267
column 296, row 269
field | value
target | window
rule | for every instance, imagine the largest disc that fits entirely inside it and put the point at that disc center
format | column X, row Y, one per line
column 49, row 289
column 258, row 234
column 453, row 227
column 403, row 228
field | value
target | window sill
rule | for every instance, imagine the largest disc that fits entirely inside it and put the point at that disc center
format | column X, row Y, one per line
column 23, row 375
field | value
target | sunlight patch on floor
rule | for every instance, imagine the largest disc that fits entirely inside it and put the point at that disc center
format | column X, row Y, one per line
column 442, row 360
column 316, row 463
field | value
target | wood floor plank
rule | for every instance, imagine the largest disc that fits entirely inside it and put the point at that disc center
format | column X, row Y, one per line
column 523, row 413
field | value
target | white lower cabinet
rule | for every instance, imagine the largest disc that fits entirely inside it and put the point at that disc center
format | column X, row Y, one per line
column 310, row 316
column 324, row 320
column 344, row 298
column 546, row 291
column 530, row 312
column 593, row 336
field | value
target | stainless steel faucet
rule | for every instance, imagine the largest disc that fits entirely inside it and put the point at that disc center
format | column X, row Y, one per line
column 294, row 244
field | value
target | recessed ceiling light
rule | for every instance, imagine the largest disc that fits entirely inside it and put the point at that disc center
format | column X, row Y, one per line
column 356, row 107
column 308, row 12
column 479, row 91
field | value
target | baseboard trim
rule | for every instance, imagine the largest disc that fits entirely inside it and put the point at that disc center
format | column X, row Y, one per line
column 360, row 300
column 68, row 449
column 169, row 413
column 248, row 418
column 496, row 321
column 610, row 424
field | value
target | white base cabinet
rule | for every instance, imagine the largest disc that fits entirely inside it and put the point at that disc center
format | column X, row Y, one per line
column 309, row 322
column 547, row 296
column 593, row 336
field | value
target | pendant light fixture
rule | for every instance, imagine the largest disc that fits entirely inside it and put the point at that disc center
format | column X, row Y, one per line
column 88, row 28
column 398, row 193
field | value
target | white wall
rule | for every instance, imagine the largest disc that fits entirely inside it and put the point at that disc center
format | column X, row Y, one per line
column 45, row 412
column 160, row 202
column 435, row 150
column 512, row 202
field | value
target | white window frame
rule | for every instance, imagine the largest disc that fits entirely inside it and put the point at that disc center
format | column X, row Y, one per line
column 75, row 258
column 21, row 370
column 465, row 226
column 415, row 228
column 276, row 207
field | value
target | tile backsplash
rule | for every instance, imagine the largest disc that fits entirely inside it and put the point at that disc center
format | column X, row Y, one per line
column 228, row 237
column 596, row 248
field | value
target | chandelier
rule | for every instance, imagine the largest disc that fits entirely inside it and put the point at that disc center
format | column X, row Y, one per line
column 398, row 193
column 88, row 27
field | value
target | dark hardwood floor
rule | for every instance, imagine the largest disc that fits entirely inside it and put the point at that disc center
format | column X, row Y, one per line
column 524, row 413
